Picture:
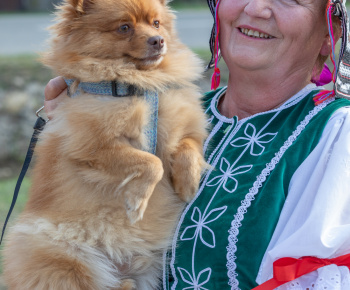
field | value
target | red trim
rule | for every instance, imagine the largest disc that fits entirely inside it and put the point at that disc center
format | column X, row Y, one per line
column 289, row 269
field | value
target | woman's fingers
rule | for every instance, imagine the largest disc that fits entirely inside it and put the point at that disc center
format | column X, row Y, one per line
column 54, row 88
column 55, row 93
column 51, row 105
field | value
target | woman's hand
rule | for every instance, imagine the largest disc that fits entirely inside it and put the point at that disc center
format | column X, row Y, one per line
column 55, row 92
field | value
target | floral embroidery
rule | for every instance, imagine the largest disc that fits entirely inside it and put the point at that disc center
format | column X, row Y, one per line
column 253, row 140
column 228, row 173
column 201, row 226
column 196, row 283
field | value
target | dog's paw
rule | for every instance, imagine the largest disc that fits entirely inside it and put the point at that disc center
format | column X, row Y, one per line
column 139, row 190
column 187, row 167
column 136, row 204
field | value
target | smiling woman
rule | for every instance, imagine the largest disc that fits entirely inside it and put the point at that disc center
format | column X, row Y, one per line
column 280, row 184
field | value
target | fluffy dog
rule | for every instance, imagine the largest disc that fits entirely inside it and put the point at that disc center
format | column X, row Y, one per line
column 101, row 210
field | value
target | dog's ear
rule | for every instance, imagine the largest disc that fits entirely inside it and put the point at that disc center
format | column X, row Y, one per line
column 81, row 6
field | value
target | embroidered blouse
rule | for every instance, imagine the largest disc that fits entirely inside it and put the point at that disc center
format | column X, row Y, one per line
column 254, row 204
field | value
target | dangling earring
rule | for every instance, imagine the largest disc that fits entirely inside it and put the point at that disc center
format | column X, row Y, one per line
column 324, row 78
column 215, row 79
column 324, row 95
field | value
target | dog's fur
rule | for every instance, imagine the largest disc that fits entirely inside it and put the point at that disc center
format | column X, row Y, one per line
column 101, row 211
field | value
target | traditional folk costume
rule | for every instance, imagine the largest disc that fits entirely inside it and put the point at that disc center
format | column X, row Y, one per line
column 275, row 204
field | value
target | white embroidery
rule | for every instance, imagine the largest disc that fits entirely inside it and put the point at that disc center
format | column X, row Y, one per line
column 196, row 283
column 256, row 147
column 191, row 232
column 212, row 134
column 290, row 102
column 253, row 139
column 228, row 173
column 250, row 196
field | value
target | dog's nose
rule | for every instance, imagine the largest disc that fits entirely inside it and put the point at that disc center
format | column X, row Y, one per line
column 157, row 42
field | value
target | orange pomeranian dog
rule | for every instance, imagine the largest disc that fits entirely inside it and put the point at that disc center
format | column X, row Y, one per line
column 103, row 207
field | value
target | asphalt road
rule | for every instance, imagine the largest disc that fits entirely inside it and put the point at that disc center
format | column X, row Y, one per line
column 27, row 33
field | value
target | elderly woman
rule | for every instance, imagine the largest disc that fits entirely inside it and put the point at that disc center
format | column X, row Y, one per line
column 279, row 184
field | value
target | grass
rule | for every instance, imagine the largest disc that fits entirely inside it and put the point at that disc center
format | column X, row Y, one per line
column 6, row 193
column 17, row 71
column 189, row 5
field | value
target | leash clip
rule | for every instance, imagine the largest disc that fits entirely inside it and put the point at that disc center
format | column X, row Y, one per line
column 37, row 113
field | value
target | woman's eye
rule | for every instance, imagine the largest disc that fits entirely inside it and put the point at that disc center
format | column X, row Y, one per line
column 156, row 24
column 124, row 28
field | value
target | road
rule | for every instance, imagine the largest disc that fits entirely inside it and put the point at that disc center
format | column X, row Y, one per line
column 27, row 33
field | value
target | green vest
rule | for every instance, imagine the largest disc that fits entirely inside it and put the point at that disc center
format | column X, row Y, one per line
column 224, row 232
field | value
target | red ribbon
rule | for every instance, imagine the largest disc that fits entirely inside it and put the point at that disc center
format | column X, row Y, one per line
column 289, row 269
column 322, row 96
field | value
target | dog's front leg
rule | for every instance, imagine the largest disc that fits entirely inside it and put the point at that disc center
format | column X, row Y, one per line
column 188, row 163
column 141, row 173
column 130, row 173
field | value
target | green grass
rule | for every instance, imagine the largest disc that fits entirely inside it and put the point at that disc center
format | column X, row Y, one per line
column 17, row 71
column 189, row 5
column 6, row 193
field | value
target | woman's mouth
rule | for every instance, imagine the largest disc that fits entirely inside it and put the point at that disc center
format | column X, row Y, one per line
column 254, row 34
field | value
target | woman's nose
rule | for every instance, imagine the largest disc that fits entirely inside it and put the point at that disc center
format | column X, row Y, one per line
column 259, row 8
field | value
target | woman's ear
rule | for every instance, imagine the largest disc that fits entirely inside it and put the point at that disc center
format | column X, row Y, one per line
column 326, row 47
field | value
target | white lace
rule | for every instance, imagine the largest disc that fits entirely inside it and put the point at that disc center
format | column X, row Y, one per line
column 250, row 196
column 211, row 135
column 290, row 102
column 330, row 278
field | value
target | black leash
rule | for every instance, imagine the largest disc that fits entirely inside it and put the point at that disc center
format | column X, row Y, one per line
column 38, row 127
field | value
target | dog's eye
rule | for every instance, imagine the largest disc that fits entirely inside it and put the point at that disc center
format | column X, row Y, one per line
column 156, row 24
column 124, row 28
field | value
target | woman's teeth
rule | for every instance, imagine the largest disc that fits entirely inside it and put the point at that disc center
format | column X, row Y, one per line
column 255, row 34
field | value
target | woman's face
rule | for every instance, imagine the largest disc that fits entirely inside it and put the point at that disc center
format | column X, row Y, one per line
column 287, row 35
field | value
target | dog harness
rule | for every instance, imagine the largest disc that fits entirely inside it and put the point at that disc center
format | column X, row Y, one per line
column 115, row 89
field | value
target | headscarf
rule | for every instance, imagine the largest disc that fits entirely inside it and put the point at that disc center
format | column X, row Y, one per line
column 341, row 72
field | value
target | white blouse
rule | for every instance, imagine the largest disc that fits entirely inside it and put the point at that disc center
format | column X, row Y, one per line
column 315, row 220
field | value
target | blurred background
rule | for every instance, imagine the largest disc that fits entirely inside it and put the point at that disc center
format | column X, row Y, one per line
column 23, row 34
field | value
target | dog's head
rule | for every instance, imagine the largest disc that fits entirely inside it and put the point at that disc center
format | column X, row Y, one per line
column 131, row 41
column 134, row 31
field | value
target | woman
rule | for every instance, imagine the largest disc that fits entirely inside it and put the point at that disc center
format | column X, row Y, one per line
column 280, row 179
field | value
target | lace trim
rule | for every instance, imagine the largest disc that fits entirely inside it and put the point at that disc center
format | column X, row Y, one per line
column 211, row 135
column 225, row 141
column 290, row 102
column 250, row 196
column 329, row 277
